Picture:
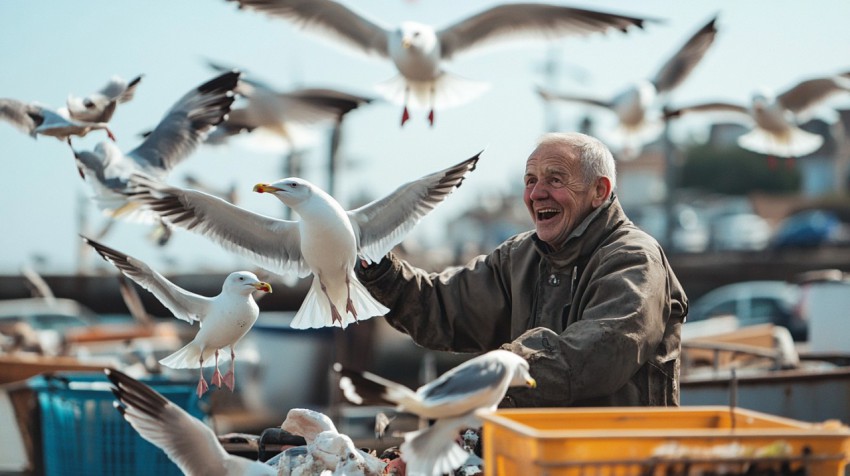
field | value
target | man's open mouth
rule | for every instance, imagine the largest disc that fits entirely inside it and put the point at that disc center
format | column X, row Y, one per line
column 546, row 213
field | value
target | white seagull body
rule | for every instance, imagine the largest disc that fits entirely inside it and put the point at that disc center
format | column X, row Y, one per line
column 190, row 444
column 418, row 50
column 325, row 242
column 452, row 400
column 100, row 106
column 776, row 132
column 106, row 169
column 633, row 105
column 224, row 319
column 36, row 120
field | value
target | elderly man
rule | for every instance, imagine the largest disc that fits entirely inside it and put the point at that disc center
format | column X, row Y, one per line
column 586, row 297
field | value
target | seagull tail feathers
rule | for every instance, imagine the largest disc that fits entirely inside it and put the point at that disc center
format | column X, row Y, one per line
column 449, row 90
column 795, row 142
column 315, row 311
column 188, row 357
column 433, row 451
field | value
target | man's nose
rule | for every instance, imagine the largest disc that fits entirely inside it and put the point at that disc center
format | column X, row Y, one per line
column 538, row 191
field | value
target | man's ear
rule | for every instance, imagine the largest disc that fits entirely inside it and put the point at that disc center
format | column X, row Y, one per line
column 601, row 191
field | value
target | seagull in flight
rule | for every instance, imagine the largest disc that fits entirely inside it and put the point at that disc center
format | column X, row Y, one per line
column 35, row 120
column 282, row 120
column 106, row 169
column 187, row 441
column 452, row 400
column 325, row 242
column 100, row 106
column 634, row 103
column 224, row 319
column 775, row 117
column 418, row 50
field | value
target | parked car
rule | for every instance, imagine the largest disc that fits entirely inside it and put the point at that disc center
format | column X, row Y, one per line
column 740, row 232
column 809, row 229
column 755, row 302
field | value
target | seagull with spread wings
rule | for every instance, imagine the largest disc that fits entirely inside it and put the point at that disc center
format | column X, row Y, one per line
column 35, row 120
column 418, row 50
column 267, row 118
column 224, row 319
column 452, row 400
column 325, row 242
column 634, row 103
column 106, row 169
column 775, row 118
column 100, row 106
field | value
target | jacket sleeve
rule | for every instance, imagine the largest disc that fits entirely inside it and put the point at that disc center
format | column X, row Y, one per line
column 462, row 309
column 621, row 321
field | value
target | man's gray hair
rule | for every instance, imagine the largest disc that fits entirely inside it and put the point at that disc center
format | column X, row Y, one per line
column 595, row 158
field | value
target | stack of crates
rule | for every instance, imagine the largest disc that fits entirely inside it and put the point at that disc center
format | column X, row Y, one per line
column 82, row 433
column 688, row 441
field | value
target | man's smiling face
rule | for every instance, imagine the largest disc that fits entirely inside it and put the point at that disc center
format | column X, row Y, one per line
column 556, row 194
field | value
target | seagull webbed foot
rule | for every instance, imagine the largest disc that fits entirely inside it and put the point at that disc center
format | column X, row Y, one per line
column 202, row 387
column 405, row 116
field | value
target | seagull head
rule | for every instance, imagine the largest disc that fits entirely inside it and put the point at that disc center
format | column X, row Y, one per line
column 521, row 376
column 290, row 191
column 417, row 37
column 244, row 282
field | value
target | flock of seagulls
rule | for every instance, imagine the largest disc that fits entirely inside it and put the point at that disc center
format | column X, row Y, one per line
column 326, row 240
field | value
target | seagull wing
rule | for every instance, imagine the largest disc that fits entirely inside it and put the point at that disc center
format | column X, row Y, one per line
column 382, row 224
column 186, row 124
column 121, row 90
column 706, row 107
column 186, row 440
column 185, row 305
column 677, row 68
column 329, row 17
column 810, row 92
column 553, row 96
column 271, row 243
column 464, row 387
column 529, row 19
column 314, row 105
column 22, row 115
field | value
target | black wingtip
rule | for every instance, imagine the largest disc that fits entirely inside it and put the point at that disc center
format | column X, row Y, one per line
column 226, row 81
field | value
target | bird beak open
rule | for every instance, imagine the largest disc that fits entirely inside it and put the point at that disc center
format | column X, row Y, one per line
column 265, row 188
column 262, row 286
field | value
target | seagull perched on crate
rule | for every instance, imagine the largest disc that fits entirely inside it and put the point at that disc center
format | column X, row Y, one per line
column 418, row 50
column 224, row 319
column 325, row 242
column 451, row 400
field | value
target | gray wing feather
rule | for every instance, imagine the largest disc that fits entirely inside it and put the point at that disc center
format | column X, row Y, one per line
column 330, row 17
column 530, row 19
column 192, row 445
column 185, row 305
column 382, row 224
column 20, row 114
column 809, row 93
column 553, row 96
column 677, row 68
column 271, row 243
column 187, row 123
column 471, row 377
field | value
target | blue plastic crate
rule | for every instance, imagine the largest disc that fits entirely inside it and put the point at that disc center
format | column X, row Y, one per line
column 83, row 434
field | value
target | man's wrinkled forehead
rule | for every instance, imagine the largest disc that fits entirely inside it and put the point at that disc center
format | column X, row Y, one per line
column 549, row 160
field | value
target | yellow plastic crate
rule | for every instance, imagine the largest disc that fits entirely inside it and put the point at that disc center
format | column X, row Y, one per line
column 659, row 441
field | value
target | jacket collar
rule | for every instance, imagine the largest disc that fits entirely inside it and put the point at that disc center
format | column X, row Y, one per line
column 587, row 235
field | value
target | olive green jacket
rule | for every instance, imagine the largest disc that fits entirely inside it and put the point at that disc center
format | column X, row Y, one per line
column 599, row 320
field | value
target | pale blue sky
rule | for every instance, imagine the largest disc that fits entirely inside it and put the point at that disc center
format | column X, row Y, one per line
column 53, row 48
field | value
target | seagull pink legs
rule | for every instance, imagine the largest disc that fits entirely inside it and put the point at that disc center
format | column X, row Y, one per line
column 230, row 376
column 216, row 378
column 202, row 384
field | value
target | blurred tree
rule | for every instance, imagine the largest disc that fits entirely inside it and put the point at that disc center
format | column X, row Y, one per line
column 735, row 171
